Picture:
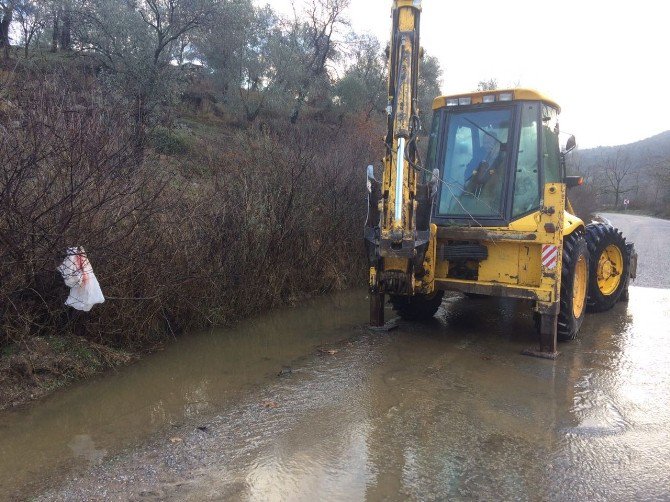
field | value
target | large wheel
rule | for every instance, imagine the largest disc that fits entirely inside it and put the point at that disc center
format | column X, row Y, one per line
column 630, row 250
column 574, row 286
column 609, row 266
column 417, row 308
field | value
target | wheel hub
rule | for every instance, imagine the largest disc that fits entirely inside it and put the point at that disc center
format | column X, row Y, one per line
column 610, row 268
column 605, row 267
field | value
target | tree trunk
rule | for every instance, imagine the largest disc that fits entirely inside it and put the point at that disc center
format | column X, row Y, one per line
column 4, row 30
column 55, row 33
column 66, row 31
column 298, row 107
column 617, row 195
column 140, row 127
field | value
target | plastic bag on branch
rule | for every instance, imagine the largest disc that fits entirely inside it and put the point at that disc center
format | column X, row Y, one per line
column 78, row 275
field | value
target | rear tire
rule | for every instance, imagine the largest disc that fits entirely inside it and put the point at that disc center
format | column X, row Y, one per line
column 417, row 308
column 608, row 277
column 574, row 286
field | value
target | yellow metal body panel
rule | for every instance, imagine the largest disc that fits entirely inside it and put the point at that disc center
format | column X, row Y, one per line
column 572, row 223
column 502, row 265
column 530, row 223
column 514, row 264
column 427, row 283
column 554, row 197
column 518, row 94
column 530, row 265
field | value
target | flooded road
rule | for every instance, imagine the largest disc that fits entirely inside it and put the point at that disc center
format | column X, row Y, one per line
column 306, row 404
column 196, row 376
column 446, row 409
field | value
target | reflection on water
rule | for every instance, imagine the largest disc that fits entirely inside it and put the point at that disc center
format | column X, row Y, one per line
column 82, row 446
column 442, row 410
column 450, row 410
column 197, row 375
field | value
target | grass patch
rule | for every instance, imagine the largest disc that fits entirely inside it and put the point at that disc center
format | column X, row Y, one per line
column 8, row 350
column 170, row 142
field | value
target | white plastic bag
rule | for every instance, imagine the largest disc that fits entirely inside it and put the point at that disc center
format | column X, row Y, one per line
column 78, row 275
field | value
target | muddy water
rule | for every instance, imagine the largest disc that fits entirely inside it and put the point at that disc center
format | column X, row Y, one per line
column 90, row 422
column 443, row 410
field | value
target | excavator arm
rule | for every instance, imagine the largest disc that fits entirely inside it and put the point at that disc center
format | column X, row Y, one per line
column 398, row 231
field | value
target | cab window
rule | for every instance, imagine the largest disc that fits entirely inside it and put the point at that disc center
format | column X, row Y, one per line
column 527, row 175
column 475, row 163
column 433, row 143
column 550, row 147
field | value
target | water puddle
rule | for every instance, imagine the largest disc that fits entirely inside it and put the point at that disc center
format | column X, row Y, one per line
column 448, row 409
column 90, row 421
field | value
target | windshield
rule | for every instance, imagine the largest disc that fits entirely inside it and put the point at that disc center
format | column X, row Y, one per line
column 475, row 164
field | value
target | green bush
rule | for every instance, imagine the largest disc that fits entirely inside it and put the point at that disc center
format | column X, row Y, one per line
column 170, row 142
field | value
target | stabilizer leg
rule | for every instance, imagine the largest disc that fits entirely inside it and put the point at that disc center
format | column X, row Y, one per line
column 377, row 310
column 548, row 335
column 377, row 323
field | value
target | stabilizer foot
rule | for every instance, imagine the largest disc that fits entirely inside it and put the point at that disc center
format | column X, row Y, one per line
column 548, row 337
column 540, row 354
column 389, row 326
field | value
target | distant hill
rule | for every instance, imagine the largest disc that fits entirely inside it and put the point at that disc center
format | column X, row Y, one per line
column 640, row 152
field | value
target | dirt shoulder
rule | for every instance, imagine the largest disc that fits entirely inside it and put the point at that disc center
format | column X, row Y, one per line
column 43, row 365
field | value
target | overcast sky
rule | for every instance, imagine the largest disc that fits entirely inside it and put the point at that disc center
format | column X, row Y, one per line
column 604, row 61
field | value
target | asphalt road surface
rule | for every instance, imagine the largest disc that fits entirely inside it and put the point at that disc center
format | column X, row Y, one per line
column 306, row 404
column 652, row 241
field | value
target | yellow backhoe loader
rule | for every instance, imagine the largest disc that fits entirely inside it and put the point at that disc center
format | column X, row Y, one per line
column 486, row 211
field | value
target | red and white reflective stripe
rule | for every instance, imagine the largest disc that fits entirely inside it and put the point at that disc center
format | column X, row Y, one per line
column 549, row 256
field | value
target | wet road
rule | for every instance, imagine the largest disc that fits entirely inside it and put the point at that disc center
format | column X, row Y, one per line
column 652, row 241
column 443, row 410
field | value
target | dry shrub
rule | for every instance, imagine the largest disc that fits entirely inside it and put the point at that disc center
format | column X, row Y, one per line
column 585, row 202
column 273, row 214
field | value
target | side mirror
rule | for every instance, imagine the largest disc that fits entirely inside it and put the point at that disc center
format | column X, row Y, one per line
column 433, row 183
column 573, row 181
column 370, row 177
column 571, row 144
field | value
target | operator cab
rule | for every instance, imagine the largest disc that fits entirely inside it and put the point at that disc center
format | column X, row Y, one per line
column 495, row 151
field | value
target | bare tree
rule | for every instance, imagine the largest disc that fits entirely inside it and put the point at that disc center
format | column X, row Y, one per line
column 312, row 40
column 6, row 17
column 490, row 84
column 64, row 17
column 363, row 86
column 430, row 76
column 658, row 171
column 137, row 43
column 30, row 15
column 616, row 175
